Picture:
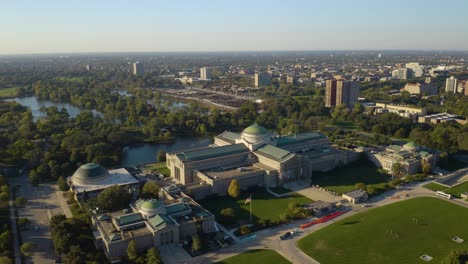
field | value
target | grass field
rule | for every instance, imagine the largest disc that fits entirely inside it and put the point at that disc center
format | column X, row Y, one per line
column 396, row 233
column 433, row 186
column 264, row 205
column 343, row 179
column 458, row 189
column 8, row 92
column 257, row 256
column 161, row 167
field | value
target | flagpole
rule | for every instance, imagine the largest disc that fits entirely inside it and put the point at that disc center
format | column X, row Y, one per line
column 250, row 208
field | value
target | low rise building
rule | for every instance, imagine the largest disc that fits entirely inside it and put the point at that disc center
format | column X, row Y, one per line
column 421, row 89
column 320, row 208
column 91, row 178
column 150, row 223
column 403, row 111
column 356, row 196
column 441, row 118
column 409, row 156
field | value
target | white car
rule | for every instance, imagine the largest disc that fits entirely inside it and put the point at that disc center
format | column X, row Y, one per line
column 294, row 231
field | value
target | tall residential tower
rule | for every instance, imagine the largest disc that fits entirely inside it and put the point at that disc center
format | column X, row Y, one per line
column 341, row 92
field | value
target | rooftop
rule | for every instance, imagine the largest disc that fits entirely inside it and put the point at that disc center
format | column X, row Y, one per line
column 211, row 152
column 275, row 153
column 229, row 136
column 302, row 137
column 116, row 177
column 356, row 193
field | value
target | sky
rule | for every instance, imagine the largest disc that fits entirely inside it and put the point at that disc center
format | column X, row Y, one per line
column 82, row 26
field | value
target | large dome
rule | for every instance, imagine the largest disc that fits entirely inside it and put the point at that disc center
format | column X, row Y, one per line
column 254, row 135
column 90, row 173
column 411, row 146
column 256, row 130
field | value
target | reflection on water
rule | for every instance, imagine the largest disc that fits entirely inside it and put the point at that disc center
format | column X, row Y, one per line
column 36, row 104
column 146, row 153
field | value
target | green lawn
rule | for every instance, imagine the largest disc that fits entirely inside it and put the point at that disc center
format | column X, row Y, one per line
column 160, row 167
column 433, row 186
column 264, row 205
column 257, row 256
column 342, row 180
column 457, row 190
column 8, row 92
column 396, row 233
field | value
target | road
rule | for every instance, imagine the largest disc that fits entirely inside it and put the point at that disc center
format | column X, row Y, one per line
column 268, row 238
column 42, row 203
column 14, row 229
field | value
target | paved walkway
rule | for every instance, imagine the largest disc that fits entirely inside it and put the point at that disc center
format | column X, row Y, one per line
column 14, row 228
column 63, row 204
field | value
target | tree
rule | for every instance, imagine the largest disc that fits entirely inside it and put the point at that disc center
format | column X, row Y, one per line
column 74, row 256
column 397, row 168
column 244, row 230
column 23, row 223
column 153, row 256
column 196, row 243
column 227, row 215
column 5, row 260
column 132, row 251
column 113, row 198
column 27, row 248
column 360, row 185
column 150, row 190
column 161, row 157
column 20, row 201
column 62, row 239
column 234, row 189
column 370, row 190
column 62, row 184
column 426, row 166
column 4, row 196
column 456, row 257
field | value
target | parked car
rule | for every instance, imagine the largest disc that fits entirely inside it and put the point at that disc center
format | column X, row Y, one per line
column 295, row 230
column 285, row 235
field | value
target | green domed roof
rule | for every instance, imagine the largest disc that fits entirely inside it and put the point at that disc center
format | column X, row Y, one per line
column 89, row 172
column 151, row 204
column 256, row 130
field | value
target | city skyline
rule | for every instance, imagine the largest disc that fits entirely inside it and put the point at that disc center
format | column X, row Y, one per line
column 120, row 26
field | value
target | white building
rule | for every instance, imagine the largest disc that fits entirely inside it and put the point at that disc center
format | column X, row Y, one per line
column 451, row 85
column 205, row 73
column 416, row 69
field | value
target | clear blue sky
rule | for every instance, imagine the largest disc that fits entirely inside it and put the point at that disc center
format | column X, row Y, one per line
column 55, row 26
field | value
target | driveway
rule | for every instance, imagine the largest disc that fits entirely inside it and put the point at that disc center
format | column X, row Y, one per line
column 42, row 204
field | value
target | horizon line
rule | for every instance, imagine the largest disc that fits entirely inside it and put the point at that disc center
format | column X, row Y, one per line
column 225, row 51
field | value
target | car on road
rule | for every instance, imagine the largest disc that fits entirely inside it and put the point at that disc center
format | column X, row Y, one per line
column 285, row 236
column 295, row 230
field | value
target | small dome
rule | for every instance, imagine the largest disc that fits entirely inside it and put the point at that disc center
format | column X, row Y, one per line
column 90, row 173
column 256, row 130
column 151, row 204
column 151, row 207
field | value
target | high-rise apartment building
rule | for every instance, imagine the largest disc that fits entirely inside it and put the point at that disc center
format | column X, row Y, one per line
column 341, row 92
column 138, row 69
column 401, row 74
column 262, row 79
column 451, row 85
column 416, row 69
column 205, row 73
column 466, row 88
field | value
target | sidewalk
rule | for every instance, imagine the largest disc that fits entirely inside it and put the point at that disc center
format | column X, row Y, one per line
column 14, row 228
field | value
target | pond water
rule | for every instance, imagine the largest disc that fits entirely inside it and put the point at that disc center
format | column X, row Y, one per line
column 139, row 154
column 35, row 104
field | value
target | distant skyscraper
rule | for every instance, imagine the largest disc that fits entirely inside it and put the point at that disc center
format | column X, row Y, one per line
column 341, row 92
column 451, row 85
column 466, row 88
column 138, row 69
column 88, row 67
column 380, row 55
column 205, row 73
column 262, row 79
